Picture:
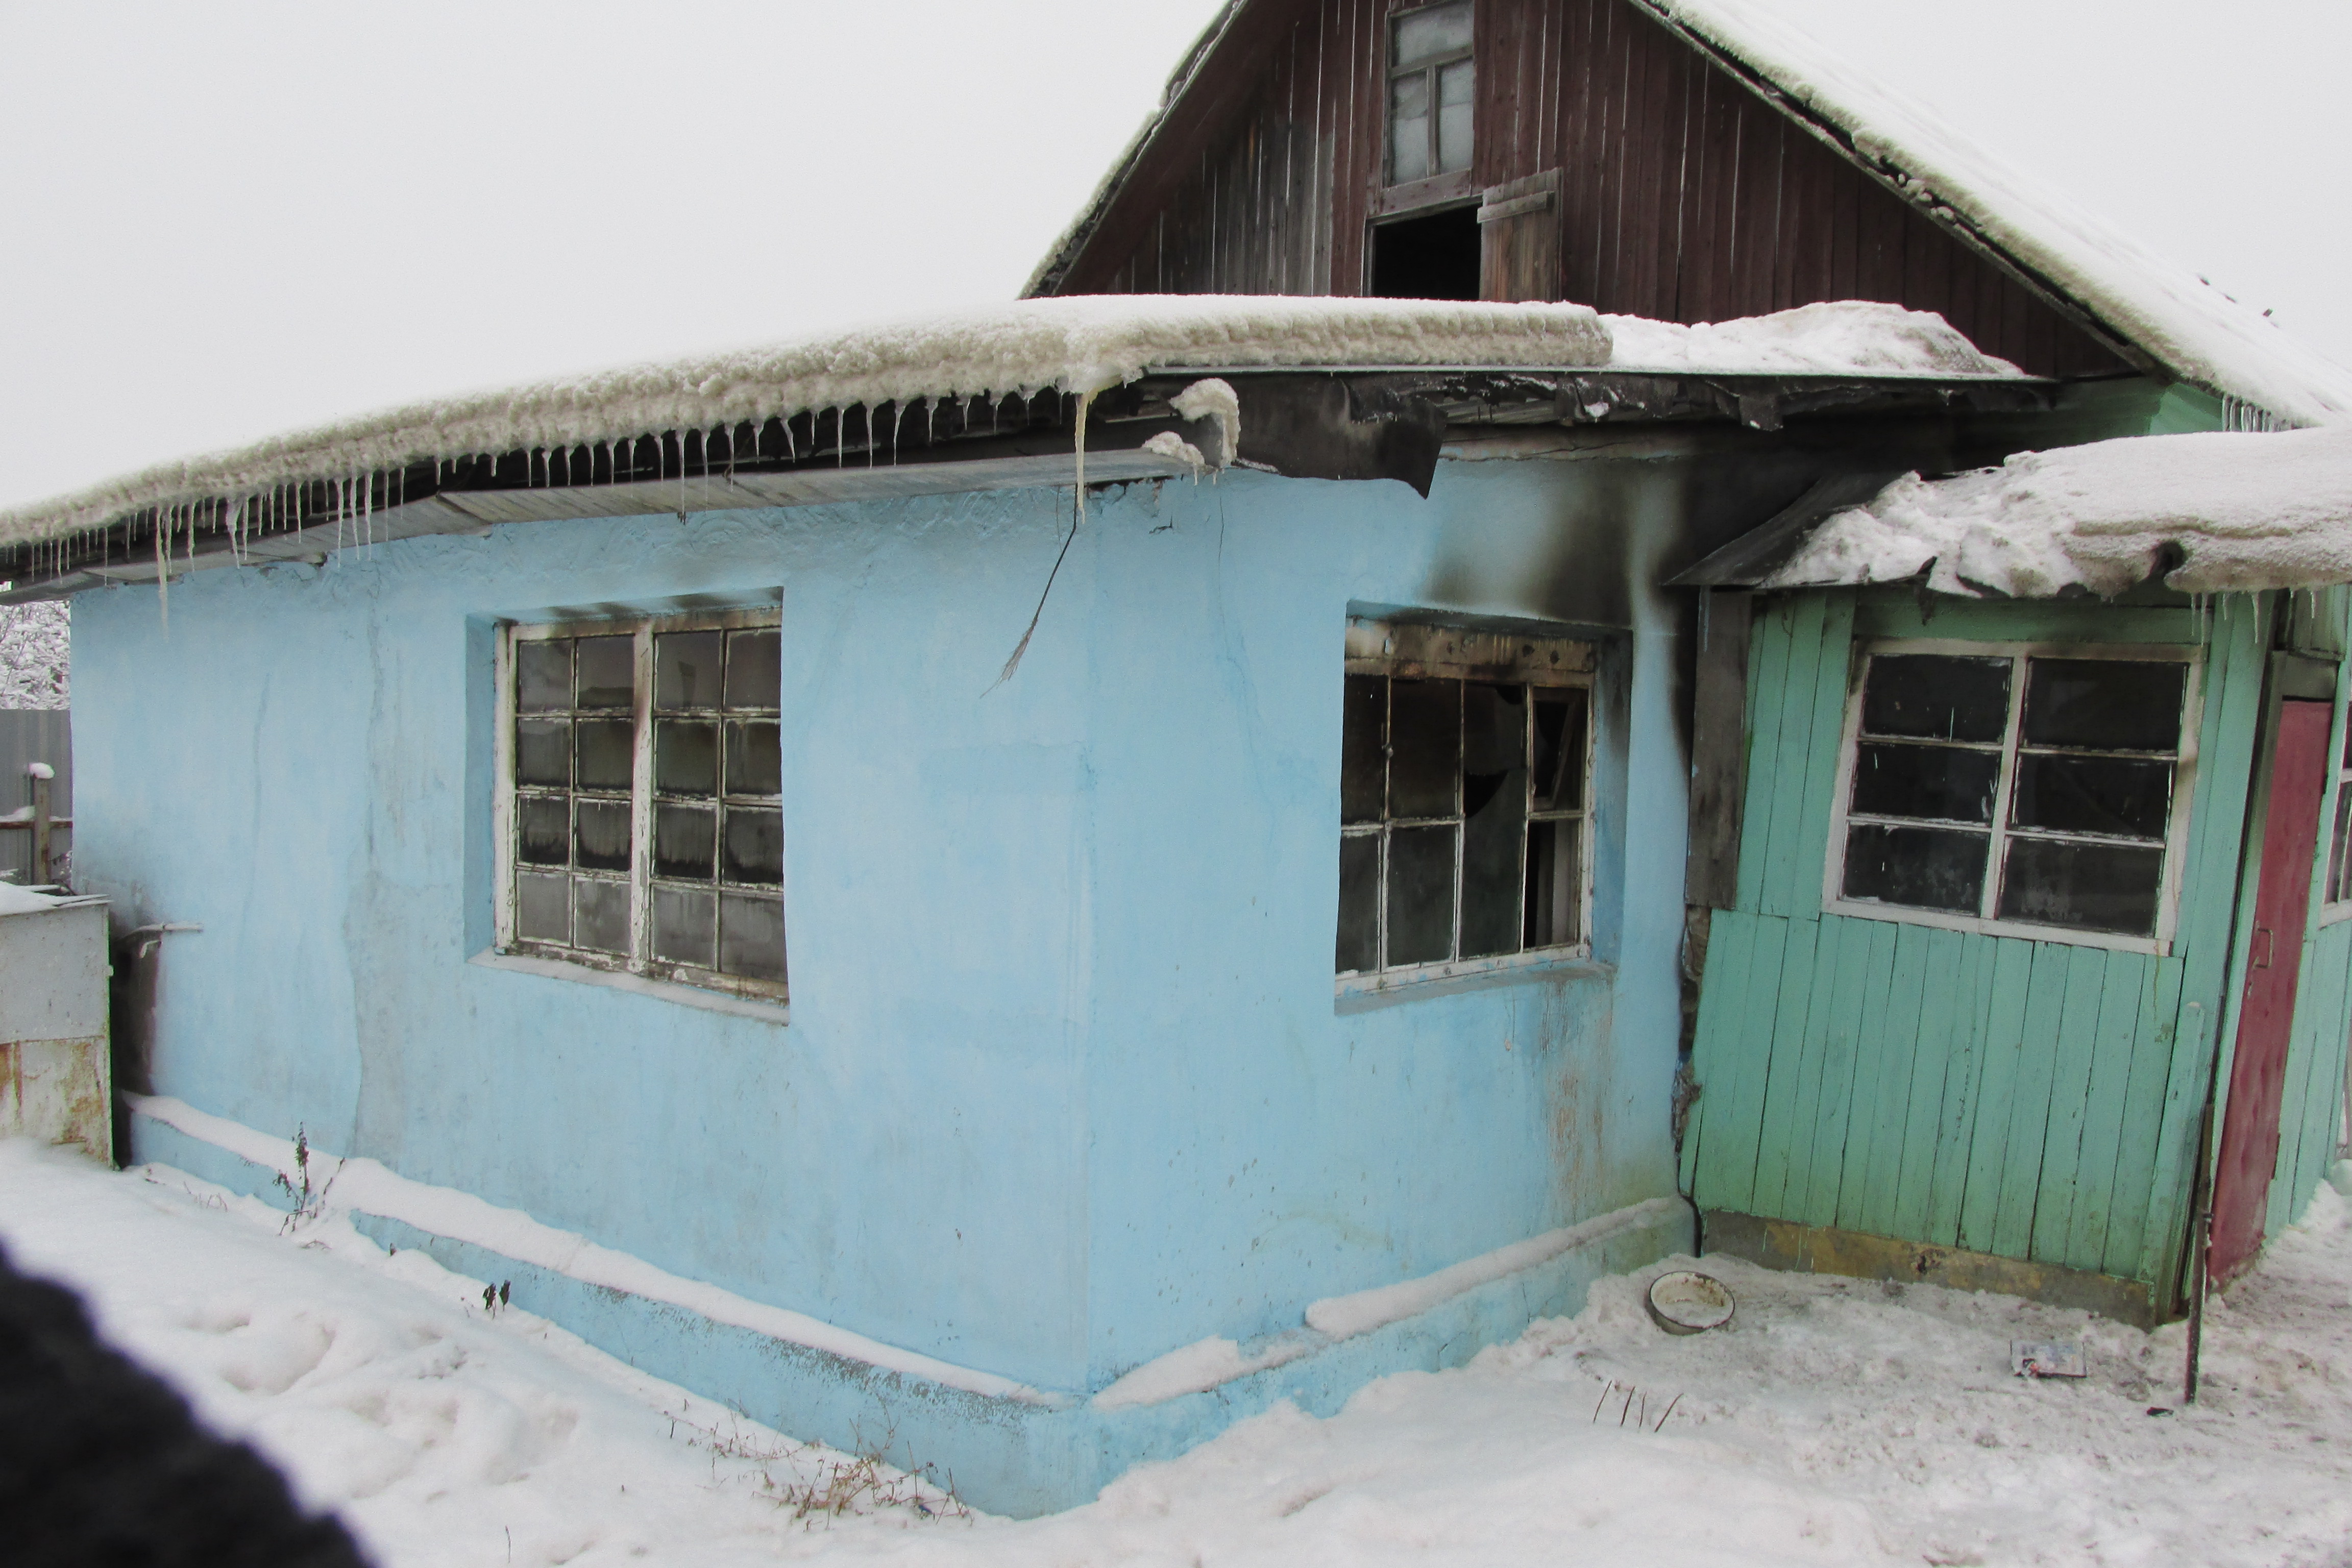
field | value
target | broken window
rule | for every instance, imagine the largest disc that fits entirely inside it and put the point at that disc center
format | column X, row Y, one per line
column 644, row 821
column 1994, row 787
column 1464, row 797
column 1428, row 91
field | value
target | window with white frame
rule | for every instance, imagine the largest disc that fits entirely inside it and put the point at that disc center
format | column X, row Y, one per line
column 1465, row 799
column 1429, row 104
column 642, row 828
column 2336, row 900
column 2005, row 787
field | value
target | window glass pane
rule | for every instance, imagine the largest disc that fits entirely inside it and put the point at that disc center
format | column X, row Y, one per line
column 754, row 669
column 543, row 751
column 1420, row 894
column 2104, row 704
column 685, row 926
column 1424, row 747
column 1493, row 737
column 542, row 830
column 544, row 908
column 2091, row 887
column 608, row 672
column 1555, row 877
column 1425, row 35
column 1925, row 781
column 1919, row 867
column 1493, row 834
column 755, row 757
column 599, row 915
column 2093, row 795
column 1454, row 117
column 1359, row 903
column 604, row 748
column 1362, row 768
column 686, row 670
column 600, row 838
column 1559, row 749
column 685, row 841
column 542, row 674
column 686, row 756
column 1937, row 697
column 751, row 936
column 754, row 849
column 1408, row 129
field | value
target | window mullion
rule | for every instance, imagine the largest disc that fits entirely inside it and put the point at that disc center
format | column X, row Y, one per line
column 1997, row 866
column 1388, row 759
column 1461, row 816
column 641, row 794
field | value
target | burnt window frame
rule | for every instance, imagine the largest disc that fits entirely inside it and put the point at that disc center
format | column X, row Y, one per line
column 2173, row 844
column 1428, row 69
column 644, row 800
column 1398, row 649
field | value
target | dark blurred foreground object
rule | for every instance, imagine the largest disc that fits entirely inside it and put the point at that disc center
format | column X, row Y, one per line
column 102, row 1466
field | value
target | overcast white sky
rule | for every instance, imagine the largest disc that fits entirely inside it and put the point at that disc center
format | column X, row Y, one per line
column 238, row 217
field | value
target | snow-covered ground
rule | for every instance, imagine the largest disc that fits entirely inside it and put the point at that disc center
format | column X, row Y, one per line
column 1833, row 1422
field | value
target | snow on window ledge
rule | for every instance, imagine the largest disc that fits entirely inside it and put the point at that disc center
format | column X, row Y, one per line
column 660, row 990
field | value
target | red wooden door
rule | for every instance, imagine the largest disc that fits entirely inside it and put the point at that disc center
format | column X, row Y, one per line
column 2249, row 1128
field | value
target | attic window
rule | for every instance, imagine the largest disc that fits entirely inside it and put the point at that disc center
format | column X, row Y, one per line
column 2028, row 792
column 1428, row 92
column 1464, row 800
column 642, row 822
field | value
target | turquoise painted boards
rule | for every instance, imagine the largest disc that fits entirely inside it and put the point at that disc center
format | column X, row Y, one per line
column 2032, row 1100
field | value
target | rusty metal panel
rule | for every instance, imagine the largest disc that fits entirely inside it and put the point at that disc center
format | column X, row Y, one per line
column 54, row 1074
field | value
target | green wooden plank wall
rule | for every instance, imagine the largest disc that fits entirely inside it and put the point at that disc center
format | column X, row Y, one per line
column 2031, row 1099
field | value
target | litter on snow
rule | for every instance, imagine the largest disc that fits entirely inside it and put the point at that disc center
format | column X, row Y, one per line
column 1684, row 1301
column 2047, row 1358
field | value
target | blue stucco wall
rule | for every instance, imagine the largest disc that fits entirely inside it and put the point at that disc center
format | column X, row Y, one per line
column 1066, row 1084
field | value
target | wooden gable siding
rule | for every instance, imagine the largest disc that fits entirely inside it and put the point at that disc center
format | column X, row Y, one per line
column 2031, row 1099
column 1685, row 196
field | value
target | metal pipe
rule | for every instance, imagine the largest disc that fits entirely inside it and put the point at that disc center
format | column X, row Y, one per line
column 41, row 775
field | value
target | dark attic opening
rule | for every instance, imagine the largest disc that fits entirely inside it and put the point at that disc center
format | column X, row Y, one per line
column 1430, row 258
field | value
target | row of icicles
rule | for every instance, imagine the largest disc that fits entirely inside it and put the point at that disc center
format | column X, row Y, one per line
column 354, row 500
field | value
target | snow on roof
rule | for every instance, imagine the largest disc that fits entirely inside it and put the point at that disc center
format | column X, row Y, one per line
column 2216, row 511
column 1075, row 344
column 1080, row 345
column 1850, row 337
column 2190, row 328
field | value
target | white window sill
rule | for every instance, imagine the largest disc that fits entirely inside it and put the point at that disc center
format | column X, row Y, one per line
column 1896, row 914
column 1360, row 993
column 660, row 990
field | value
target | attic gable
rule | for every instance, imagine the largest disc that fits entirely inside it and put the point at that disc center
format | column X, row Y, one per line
column 1710, row 163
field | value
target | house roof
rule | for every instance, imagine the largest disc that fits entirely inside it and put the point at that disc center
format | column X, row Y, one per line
column 2158, row 314
column 1081, row 345
column 2215, row 511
